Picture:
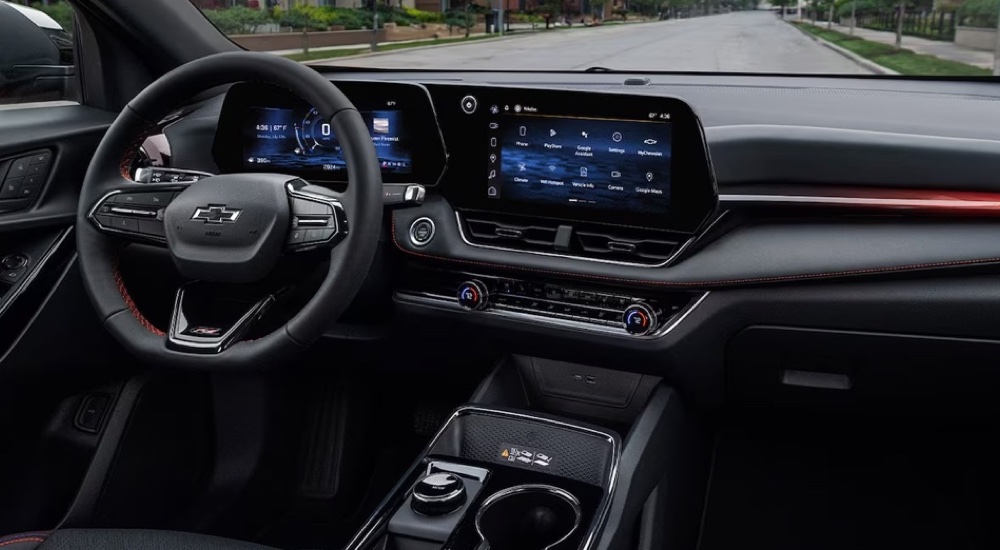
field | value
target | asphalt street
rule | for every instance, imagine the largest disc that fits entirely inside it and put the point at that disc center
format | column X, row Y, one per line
column 735, row 42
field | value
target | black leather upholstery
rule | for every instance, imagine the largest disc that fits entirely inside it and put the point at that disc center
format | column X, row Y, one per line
column 121, row 539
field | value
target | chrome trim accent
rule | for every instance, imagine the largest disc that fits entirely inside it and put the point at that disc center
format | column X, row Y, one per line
column 414, row 194
column 517, row 489
column 147, row 171
column 450, row 304
column 204, row 214
column 413, row 241
column 340, row 227
column 383, row 512
column 211, row 345
column 863, row 201
column 140, row 188
column 680, row 249
column 439, row 498
column 479, row 474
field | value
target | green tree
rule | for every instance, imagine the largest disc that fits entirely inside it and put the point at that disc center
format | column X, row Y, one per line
column 783, row 4
column 551, row 9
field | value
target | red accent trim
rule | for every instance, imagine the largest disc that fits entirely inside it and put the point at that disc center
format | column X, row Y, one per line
column 25, row 539
column 129, row 302
column 701, row 284
column 124, row 167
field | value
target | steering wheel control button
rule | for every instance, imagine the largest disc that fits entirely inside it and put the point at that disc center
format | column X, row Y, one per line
column 153, row 228
column 154, row 199
column 421, row 231
column 296, row 236
column 639, row 319
column 125, row 224
column 14, row 261
column 303, row 207
column 438, row 494
column 469, row 104
column 472, row 295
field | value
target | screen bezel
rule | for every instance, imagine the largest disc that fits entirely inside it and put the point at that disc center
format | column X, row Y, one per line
column 428, row 154
column 693, row 193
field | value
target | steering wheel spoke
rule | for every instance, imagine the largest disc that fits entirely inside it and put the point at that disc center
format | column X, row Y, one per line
column 135, row 213
column 318, row 218
column 209, row 317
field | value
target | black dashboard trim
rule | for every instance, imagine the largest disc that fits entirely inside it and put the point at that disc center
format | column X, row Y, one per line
column 862, row 248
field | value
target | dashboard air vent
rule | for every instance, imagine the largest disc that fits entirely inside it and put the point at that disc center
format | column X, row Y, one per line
column 579, row 239
column 511, row 232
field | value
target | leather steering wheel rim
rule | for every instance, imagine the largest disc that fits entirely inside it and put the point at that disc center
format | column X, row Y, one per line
column 350, row 260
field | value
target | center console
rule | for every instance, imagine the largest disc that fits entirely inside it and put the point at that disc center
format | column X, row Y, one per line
column 502, row 479
column 543, row 467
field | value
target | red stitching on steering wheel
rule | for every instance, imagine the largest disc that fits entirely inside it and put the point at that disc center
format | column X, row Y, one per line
column 129, row 302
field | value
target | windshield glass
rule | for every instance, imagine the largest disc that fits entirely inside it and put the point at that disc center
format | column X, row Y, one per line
column 954, row 38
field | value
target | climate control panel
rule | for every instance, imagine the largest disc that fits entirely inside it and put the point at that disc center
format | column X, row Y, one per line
column 603, row 309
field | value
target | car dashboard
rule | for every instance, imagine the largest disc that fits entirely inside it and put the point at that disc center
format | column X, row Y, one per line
column 683, row 225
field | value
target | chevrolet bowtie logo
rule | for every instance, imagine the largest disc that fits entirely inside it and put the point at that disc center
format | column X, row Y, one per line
column 216, row 214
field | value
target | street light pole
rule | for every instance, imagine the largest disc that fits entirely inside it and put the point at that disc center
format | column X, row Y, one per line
column 854, row 4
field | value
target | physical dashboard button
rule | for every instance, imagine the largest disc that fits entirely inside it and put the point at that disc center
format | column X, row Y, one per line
column 421, row 231
column 11, row 187
column 639, row 319
column 472, row 295
column 469, row 104
column 13, row 261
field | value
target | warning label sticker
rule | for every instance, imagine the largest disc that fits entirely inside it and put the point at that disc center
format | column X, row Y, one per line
column 525, row 456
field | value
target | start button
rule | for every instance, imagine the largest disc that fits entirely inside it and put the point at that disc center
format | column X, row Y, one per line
column 421, row 231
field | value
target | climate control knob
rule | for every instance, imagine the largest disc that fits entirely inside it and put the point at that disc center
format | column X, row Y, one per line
column 472, row 295
column 639, row 319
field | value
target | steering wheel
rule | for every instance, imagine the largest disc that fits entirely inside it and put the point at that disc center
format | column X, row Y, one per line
column 226, row 230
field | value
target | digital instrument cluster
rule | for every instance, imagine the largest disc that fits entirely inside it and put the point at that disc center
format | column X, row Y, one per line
column 266, row 129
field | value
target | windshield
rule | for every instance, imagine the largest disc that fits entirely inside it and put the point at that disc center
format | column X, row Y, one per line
column 923, row 38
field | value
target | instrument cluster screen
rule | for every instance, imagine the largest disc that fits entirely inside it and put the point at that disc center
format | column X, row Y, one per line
column 277, row 138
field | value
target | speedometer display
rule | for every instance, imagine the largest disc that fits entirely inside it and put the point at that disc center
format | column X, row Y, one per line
column 285, row 138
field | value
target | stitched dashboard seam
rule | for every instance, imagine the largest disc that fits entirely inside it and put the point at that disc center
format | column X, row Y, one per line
column 701, row 284
column 127, row 298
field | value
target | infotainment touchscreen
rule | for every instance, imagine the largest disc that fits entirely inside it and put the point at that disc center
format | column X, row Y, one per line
column 290, row 139
column 607, row 164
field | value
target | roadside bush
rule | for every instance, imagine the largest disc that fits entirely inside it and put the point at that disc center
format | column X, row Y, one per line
column 60, row 11
column 313, row 18
column 422, row 17
column 238, row 19
column 979, row 13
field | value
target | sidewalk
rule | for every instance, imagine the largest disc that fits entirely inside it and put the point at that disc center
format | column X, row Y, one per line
column 443, row 39
column 937, row 48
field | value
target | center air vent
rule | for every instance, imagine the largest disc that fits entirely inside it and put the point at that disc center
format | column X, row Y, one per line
column 576, row 239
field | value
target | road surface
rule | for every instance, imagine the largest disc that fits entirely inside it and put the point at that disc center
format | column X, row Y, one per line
column 735, row 42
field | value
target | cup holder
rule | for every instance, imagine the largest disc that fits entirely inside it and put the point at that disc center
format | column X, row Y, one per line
column 527, row 517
